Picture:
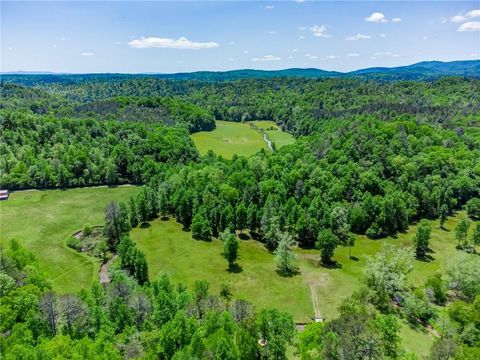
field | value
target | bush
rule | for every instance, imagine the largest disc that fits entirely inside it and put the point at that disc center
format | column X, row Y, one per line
column 473, row 208
column 87, row 229
column 74, row 243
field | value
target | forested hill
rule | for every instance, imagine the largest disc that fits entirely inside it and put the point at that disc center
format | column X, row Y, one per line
column 426, row 70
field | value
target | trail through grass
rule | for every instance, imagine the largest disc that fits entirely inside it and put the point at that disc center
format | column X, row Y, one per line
column 42, row 220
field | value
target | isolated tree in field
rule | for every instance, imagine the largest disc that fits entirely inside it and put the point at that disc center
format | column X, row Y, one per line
column 230, row 247
column 421, row 239
column 461, row 232
column 226, row 291
column 473, row 208
column 284, row 256
column 443, row 215
column 327, row 241
column 386, row 273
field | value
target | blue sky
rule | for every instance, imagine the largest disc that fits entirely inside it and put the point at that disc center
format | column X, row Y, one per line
column 165, row 37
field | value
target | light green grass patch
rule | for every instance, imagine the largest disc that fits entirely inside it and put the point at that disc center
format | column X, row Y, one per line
column 274, row 133
column 171, row 250
column 230, row 138
column 42, row 220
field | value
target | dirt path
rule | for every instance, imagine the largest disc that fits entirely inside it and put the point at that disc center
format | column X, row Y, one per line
column 313, row 294
column 269, row 143
column 103, row 273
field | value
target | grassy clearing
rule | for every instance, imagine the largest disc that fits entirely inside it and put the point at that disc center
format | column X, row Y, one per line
column 230, row 138
column 277, row 136
column 42, row 220
column 172, row 250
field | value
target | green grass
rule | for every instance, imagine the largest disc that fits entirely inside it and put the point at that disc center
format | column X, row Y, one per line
column 170, row 249
column 278, row 137
column 42, row 220
column 230, row 138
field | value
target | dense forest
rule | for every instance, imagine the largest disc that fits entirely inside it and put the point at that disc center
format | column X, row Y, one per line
column 370, row 157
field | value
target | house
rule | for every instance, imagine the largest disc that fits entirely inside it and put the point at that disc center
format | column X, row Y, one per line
column 4, row 195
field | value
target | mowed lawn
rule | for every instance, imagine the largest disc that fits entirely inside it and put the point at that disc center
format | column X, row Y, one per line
column 169, row 249
column 230, row 138
column 42, row 220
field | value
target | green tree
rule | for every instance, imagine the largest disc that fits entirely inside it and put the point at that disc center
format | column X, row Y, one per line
column 200, row 226
column 230, row 247
column 443, row 215
column 476, row 236
column 421, row 240
column 284, row 256
column 327, row 241
column 473, row 207
column 461, row 232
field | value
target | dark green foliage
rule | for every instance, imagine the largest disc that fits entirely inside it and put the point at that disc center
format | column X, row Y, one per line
column 473, row 208
column 133, row 260
column 230, row 247
column 327, row 242
column 421, row 239
column 65, row 152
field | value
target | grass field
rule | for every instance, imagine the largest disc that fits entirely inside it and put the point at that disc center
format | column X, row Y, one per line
column 230, row 138
column 171, row 250
column 42, row 220
column 278, row 137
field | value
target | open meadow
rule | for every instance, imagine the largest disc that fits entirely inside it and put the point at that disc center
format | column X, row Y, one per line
column 43, row 220
column 230, row 138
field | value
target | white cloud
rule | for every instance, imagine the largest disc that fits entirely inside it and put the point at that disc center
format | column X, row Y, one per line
column 376, row 17
column 267, row 58
column 269, row 7
column 294, row 50
column 459, row 18
column 352, row 55
column 474, row 13
column 272, row 32
column 396, row 20
column 331, row 57
column 358, row 37
column 180, row 43
column 386, row 53
column 469, row 26
column 383, row 35
column 231, row 59
column 301, row 37
column 311, row 57
column 245, row 51
column 86, row 54
column 319, row 31
column 302, row 28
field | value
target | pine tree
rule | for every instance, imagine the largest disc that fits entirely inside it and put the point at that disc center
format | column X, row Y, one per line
column 284, row 256
column 230, row 247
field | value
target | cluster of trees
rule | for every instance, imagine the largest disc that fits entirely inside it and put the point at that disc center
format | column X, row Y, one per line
column 42, row 151
column 362, row 177
column 369, row 325
column 125, row 320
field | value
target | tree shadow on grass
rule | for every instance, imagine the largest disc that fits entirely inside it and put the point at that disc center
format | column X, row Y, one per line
column 288, row 274
column 331, row 265
column 145, row 225
column 243, row 236
column 425, row 258
column 234, row 269
column 164, row 218
column 199, row 238
column 354, row 258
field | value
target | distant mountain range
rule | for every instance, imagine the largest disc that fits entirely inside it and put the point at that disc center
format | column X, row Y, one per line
column 419, row 71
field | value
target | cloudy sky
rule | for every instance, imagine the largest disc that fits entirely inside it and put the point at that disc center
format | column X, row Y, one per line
column 165, row 37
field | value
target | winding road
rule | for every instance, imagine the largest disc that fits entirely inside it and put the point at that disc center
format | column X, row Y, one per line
column 269, row 143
